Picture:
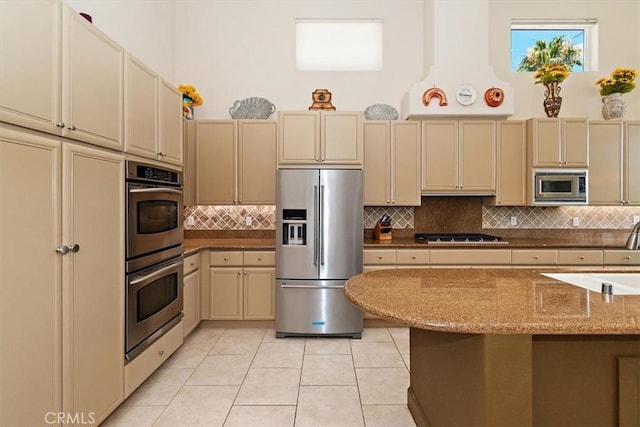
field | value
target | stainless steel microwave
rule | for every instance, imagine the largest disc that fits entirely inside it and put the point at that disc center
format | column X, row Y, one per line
column 560, row 186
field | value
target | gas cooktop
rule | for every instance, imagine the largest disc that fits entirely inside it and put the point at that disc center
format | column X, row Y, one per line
column 458, row 238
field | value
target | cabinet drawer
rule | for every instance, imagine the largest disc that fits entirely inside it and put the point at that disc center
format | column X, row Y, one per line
column 621, row 257
column 470, row 256
column 534, row 256
column 140, row 368
column 379, row 256
column 412, row 256
column 191, row 263
column 225, row 258
column 579, row 257
column 267, row 258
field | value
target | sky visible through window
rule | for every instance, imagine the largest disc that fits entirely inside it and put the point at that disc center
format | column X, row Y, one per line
column 521, row 40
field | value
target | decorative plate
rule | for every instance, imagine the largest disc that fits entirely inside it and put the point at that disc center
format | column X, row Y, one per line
column 380, row 112
column 466, row 95
column 252, row 108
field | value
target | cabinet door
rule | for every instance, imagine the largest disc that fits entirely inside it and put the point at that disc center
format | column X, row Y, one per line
column 170, row 126
column 629, row 391
column 30, row 67
column 405, row 163
column 31, row 290
column 259, row 293
column 605, row 165
column 632, row 163
column 511, row 163
column 341, row 138
column 439, row 155
column 92, row 83
column 257, row 162
column 575, row 143
column 477, row 156
column 191, row 302
column 544, row 137
column 298, row 137
column 225, row 293
column 216, row 162
column 140, row 109
column 189, row 170
column 93, row 281
column 377, row 164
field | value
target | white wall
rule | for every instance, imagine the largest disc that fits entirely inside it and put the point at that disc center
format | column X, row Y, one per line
column 232, row 50
column 145, row 28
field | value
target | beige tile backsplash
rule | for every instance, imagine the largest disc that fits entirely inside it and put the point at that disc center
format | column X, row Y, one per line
column 441, row 214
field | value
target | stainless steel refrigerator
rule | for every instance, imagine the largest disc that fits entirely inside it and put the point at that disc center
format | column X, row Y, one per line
column 319, row 241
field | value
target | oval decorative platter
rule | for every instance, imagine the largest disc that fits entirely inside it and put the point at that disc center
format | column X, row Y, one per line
column 252, row 108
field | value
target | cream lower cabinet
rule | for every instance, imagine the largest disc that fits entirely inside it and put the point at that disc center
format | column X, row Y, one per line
column 191, row 293
column 557, row 142
column 391, row 163
column 458, row 156
column 241, row 285
column 320, row 138
column 235, row 162
column 64, row 314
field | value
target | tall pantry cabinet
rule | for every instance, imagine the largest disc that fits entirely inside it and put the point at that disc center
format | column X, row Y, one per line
column 62, row 295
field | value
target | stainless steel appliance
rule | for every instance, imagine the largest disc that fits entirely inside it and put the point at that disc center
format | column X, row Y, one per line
column 153, row 264
column 319, row 242
column 459, row 238
column 560, row 186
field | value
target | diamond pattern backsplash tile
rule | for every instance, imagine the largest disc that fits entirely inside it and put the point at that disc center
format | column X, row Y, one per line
column 264, row 217
column 589, row 217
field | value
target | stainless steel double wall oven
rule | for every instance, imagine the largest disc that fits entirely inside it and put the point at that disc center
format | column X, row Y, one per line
column 154, row 236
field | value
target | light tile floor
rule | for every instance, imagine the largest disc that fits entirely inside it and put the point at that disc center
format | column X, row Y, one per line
column 247, row 377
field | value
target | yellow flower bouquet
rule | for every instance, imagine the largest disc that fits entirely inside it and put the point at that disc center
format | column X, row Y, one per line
column 190, row 95
column 551, row 73
column 621, row 81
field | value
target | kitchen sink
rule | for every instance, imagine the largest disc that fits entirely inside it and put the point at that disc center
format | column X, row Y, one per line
column 622, row 283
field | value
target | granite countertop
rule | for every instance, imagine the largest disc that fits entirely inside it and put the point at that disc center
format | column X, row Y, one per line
column 193, row 245
column 511, row 243
column 491, row 301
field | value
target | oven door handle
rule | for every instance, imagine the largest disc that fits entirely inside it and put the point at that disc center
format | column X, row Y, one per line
column 154, row 274
column 156, row 190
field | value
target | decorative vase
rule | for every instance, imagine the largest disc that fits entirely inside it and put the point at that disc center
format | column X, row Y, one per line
column 552, row 99
column 613, row 106
column 187, row 107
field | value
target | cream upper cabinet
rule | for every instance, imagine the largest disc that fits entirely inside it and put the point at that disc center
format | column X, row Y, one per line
column 606, row 162
column 320, row 138
column 189, row 159
column 170, row 124
column 30, row 67
column 458, row 156
column 511, row 163
column 31, row 291
column 632, row 163
column 235, row 162
column 140, row 109
column 557, row 142
column 92, row 83
column 391, row 163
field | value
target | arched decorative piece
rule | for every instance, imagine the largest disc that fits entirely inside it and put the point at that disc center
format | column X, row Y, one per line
column 435, row 92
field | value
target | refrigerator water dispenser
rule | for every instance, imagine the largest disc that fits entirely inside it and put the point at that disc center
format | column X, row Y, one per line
column 294, row 227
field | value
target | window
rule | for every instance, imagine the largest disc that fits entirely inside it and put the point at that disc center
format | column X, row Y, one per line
column 581, row 36
column 339, row 44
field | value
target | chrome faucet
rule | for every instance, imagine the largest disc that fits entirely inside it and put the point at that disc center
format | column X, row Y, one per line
column 633, row 242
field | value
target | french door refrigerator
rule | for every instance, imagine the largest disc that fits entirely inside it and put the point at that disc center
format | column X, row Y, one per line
column 319, row 240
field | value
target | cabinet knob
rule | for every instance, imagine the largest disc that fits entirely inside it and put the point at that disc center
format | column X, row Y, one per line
column 239, row 273
column 191, row 264
column 379, row 256
column 627, row 257
column 413, row 257
column 259, row 258
column 226, row 258
column 60, row 124
column 64, row 249
column 536, row 257
column 245, row 273
column 72, row 127
column 161, row 352
column 581, row 256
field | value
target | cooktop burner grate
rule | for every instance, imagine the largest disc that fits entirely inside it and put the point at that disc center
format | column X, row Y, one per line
column 457, row 238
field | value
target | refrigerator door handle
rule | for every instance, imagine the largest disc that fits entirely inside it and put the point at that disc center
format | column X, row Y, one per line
column 316, row 226
column 321, row 225
column 284, row 285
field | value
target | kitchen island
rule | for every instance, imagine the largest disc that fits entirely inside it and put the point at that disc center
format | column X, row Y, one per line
column 510, row 347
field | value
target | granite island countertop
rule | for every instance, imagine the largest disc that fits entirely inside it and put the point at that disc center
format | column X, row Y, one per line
column 491, row 301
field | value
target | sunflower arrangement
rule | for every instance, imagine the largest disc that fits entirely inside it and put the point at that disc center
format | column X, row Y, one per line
column 551, row 73
column 190, row 95
column 621, row 81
